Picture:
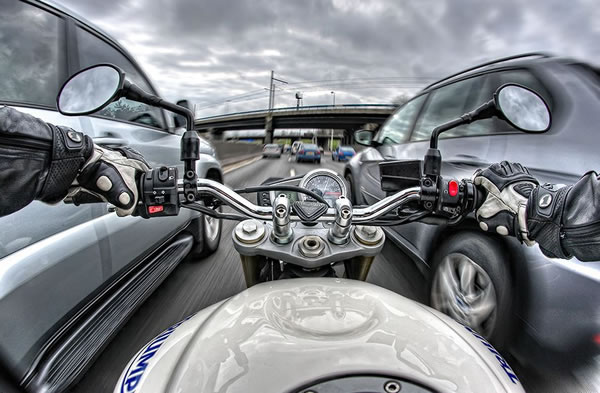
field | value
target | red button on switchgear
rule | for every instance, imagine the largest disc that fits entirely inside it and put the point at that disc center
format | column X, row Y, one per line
column 155, row 209
column 453, row 188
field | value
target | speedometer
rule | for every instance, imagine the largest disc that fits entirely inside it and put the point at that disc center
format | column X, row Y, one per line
column 325, row 183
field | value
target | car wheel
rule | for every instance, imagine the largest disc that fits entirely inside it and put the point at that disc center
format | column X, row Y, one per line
column 318, row 161
column 471, row 283
column 211, row 234
column 209, row 229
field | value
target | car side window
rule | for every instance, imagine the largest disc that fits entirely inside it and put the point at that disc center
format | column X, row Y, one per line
column 450, row 102
column 524, row 78
column 31, row 63
column 397, row 128
column 93, row 50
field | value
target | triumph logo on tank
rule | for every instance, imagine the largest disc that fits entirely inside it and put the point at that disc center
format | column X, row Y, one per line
column 138, row 366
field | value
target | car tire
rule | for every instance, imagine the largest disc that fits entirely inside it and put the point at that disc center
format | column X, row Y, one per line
column 207, row 232
column 348, row 178
column 318, row 161
column 471, row 282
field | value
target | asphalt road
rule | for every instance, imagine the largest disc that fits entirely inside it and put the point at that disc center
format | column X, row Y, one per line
column 194, row 285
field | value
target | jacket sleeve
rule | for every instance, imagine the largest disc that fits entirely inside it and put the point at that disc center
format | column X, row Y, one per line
column 565, row 221
column 38, row 160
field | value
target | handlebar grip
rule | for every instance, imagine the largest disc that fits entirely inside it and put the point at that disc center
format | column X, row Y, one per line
column 480, row 195
column 83, row 198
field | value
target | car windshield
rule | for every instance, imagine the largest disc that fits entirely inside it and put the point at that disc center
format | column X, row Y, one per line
column 310, row 147
column 347, row 149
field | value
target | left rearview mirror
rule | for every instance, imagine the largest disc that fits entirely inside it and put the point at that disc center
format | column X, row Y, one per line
column 90, row 90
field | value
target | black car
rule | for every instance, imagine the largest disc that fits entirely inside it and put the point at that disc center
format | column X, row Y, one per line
column 487, row 281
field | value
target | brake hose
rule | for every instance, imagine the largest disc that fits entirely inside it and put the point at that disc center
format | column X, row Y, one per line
column 300, row 190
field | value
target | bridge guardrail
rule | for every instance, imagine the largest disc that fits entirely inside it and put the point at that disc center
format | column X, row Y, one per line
column 294, row 109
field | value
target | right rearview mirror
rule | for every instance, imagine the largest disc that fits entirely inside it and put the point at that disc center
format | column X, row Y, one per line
column 523, row 108
column 363, row 137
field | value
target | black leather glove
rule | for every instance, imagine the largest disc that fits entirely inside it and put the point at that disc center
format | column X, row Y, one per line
column 508, row 187
column 110, row 176
column 38, row 160
column 41, row 161
column 547, row 226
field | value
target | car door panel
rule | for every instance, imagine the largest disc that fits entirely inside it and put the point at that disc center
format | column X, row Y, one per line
column 43, row 283
column 370, row 188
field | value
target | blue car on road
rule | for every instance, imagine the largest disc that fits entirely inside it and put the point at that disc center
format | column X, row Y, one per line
column 343, row 153
column 308, row 152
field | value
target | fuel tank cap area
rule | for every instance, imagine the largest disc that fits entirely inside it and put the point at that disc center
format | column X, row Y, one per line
column 314, row 312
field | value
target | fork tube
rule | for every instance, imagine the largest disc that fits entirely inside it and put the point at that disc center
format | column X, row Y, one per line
column 251, row 267
column 358, row 268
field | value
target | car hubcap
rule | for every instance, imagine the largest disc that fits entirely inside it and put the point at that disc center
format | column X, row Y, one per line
column 464, row 291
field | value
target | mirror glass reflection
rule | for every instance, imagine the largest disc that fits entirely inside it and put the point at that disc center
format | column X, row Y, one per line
column 524, row 108
column 89, row 90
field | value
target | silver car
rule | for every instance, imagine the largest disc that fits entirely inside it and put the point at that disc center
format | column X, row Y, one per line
column 493, row 283
column 271, row 150
column 71, row 276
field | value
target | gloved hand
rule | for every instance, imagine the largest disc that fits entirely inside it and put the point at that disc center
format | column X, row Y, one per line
column 110, row 175
column 508, row 187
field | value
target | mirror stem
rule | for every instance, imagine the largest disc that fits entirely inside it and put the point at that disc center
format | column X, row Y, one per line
column 190, row 141
column 484, row 111
column 133, row 92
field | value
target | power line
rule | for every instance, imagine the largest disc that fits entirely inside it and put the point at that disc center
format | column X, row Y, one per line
column 327, row 84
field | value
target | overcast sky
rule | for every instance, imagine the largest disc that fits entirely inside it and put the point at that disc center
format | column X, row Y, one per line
column 366, row 51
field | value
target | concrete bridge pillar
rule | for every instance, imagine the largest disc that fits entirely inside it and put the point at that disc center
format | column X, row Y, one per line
column 269, row 128
column 216, row 135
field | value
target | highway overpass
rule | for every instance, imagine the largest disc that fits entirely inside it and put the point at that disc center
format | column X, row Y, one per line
column 348, row 117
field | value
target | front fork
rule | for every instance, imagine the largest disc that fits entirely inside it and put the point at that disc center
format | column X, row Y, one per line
column 308, row 249
column 356, row 268
column 251, row 267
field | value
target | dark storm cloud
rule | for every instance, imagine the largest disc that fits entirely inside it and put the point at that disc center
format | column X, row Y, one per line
column 210, row 51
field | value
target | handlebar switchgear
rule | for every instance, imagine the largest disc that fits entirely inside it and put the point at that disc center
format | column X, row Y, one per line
column 159, row 196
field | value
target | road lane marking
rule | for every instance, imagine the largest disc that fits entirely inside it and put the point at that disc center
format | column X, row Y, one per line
column 233, row 167
column 292, row 172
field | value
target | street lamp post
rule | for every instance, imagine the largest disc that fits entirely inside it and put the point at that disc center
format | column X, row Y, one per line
column 333, row 93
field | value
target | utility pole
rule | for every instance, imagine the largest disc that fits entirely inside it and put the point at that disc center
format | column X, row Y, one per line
column 333, row 92
column 298, row 98
column 269, row 117
column 331, row 142
column 272, row 90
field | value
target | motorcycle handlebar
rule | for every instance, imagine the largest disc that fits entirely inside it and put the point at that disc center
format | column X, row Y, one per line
column 165, row 200
column 244, row 206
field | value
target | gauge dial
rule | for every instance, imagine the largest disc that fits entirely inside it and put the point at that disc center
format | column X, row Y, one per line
column 325, row 183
